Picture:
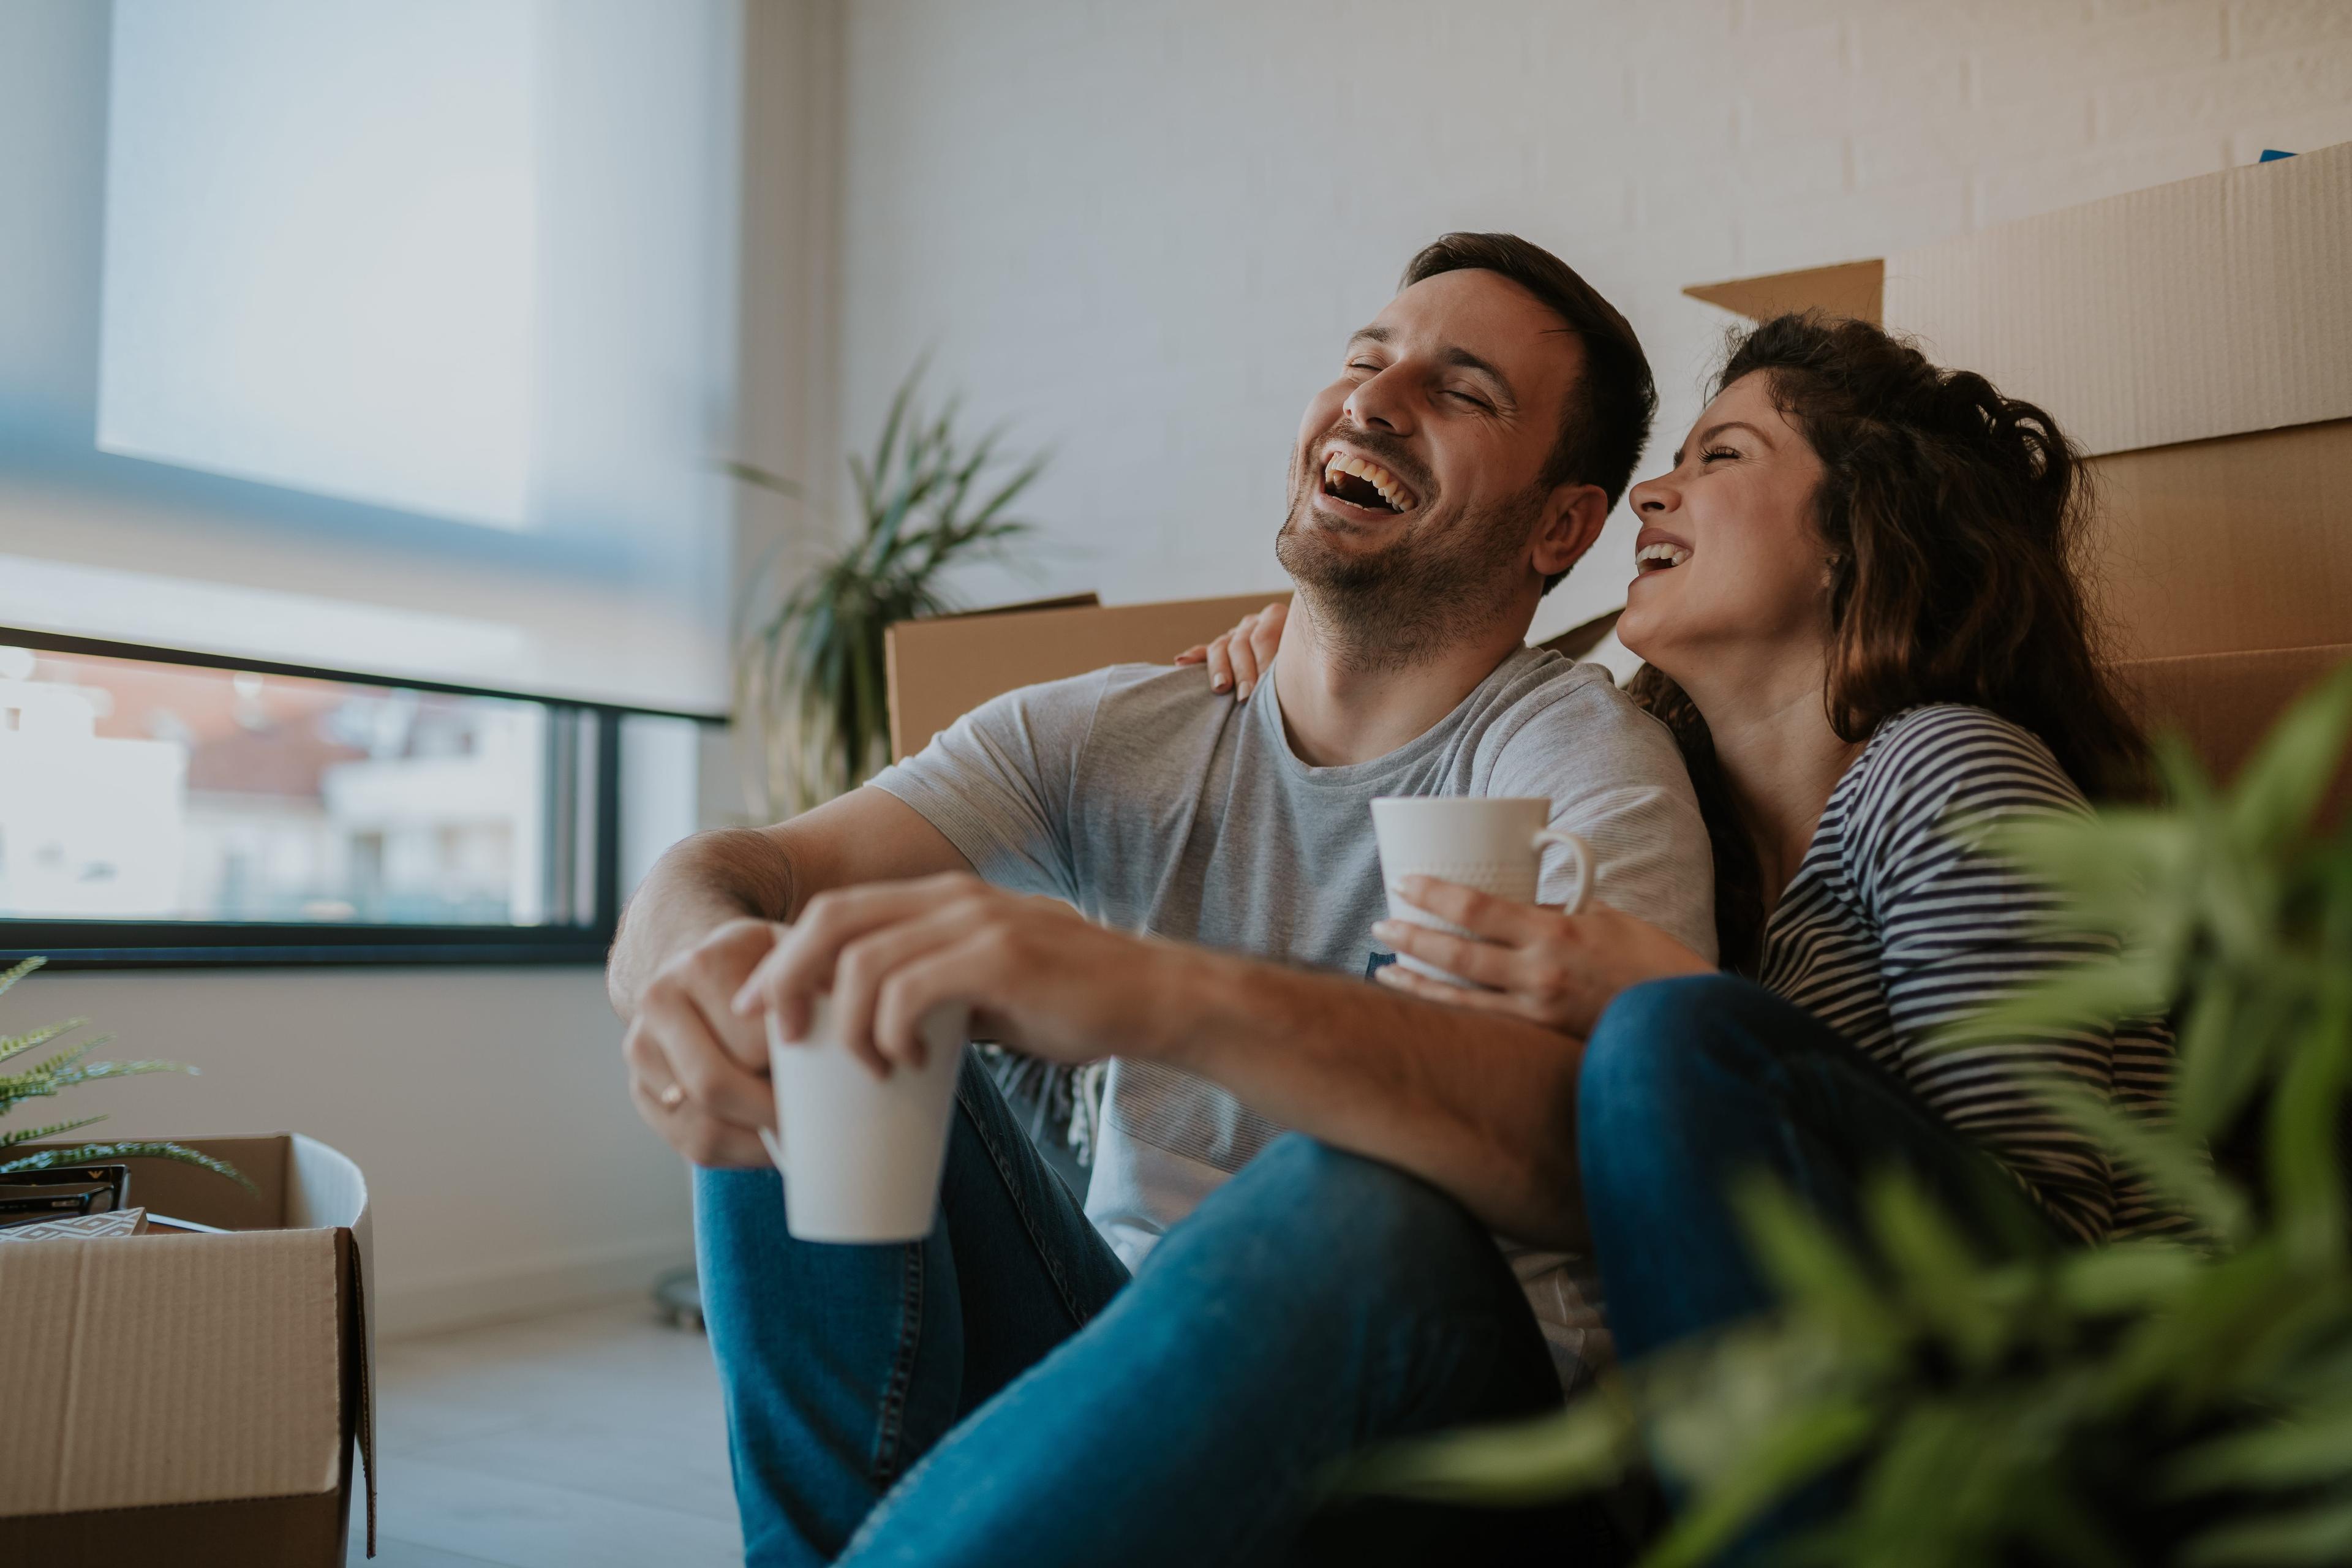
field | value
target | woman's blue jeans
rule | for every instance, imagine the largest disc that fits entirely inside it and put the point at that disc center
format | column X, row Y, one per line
column 1692, row 1084
column 1002, row 1393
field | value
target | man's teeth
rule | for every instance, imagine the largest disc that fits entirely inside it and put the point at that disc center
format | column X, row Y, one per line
column 1392, row 490
column 1663, row 553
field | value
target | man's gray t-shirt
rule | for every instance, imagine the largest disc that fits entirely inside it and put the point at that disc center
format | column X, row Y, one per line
column 1157, row 806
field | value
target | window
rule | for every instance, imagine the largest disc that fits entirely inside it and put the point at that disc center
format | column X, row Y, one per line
column 165, row 807
column 398, row 339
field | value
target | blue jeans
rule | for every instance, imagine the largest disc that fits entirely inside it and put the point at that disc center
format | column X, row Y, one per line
column 1003, row 1392
column 1690, row 1084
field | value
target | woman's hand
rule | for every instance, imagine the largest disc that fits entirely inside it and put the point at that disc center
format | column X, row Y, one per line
column 1553, row 969
column 1241, row 656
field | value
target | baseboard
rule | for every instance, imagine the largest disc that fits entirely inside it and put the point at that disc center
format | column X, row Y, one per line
column 406, row 1309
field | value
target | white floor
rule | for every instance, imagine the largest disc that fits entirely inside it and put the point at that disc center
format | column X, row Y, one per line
column 593, row 1439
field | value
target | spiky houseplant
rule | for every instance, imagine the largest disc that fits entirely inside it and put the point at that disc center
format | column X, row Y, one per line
column 2140, row 1403
column 60, row 1071
column 810, row 679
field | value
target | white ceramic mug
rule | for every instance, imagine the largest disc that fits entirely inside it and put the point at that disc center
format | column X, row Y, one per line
column 862, row 1155
column 1492, row 844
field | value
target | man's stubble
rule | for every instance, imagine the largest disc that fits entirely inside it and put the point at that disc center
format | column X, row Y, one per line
column 1444, row 578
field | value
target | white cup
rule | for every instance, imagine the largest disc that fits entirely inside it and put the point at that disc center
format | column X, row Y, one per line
column 1495, row 844
column 862, row 1155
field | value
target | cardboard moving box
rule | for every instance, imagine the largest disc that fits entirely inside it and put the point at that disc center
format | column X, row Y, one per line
column 2195, row 339
column 941, row 668
column 195, row 1399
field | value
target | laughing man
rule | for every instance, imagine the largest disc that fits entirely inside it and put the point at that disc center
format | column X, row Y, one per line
column 1322, row 1213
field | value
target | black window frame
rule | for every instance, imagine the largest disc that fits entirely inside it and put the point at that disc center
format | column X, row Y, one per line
column 188, row 944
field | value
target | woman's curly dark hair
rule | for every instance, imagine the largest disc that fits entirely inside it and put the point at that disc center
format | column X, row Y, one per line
column 1954, row 521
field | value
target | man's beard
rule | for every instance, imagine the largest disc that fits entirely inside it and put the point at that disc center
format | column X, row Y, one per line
column 1439, row 580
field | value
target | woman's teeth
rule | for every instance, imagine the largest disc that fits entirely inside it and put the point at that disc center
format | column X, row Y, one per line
column 1392, row 491
column 1659, row 556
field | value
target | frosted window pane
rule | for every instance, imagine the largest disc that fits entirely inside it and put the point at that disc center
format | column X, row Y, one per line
column 322, row 247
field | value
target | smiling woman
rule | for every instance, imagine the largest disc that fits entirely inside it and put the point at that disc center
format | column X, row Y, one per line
column 1924, row 532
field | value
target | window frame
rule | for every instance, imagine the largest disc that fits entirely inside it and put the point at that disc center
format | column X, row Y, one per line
column 190, row 944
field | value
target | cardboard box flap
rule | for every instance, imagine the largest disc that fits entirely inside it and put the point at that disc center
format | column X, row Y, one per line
column 168, row 1188
column 328, row 1190
column 2207, row 307
column 198, row 1368
column 943, row 668
column 1845, row 289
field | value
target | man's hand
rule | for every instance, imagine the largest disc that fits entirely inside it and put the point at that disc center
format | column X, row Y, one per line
column 698, row 1069
column 1036, row 975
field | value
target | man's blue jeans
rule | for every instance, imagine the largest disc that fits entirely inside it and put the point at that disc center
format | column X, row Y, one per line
column 1002, row 1393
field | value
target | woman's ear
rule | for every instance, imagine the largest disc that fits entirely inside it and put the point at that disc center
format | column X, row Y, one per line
column 1572, row 520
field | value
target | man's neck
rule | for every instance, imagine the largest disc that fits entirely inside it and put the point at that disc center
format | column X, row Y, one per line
column 1781, row 759
column 1339, row 708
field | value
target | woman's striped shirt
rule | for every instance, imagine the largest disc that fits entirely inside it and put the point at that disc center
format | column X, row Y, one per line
column 1893, row 928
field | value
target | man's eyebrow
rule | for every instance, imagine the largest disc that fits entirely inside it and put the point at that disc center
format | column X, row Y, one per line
column 1454, row 354
column 1463, row 357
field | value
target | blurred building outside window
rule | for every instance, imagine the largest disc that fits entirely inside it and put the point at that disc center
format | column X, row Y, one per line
column 135, row 790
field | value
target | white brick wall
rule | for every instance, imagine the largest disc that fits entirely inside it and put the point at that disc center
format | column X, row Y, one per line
column 1144, row 229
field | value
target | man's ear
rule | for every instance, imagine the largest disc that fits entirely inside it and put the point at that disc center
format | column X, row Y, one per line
column 1572, row 520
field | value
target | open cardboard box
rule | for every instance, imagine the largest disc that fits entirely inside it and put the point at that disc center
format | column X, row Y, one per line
column 193, row 1399
column 2195, row 339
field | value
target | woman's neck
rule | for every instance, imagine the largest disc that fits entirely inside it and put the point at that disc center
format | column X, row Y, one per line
column 1772, row 736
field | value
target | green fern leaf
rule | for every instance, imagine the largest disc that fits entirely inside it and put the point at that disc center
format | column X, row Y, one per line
column 23, row 968
column 34, row 1134
column 98, row 1153
column 16, row 1044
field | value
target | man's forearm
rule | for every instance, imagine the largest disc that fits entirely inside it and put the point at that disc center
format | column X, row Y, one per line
column 1480, row 1106
column 699, row 885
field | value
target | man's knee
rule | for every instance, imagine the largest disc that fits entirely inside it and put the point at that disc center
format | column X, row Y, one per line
column 1341, row 1215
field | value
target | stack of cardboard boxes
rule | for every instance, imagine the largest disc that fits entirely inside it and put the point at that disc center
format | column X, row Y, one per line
column 2196, row 340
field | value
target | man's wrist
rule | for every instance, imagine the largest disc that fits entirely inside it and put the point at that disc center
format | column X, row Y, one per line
column 1186, row 990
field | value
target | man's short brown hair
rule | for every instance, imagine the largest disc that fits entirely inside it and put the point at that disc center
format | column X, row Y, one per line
column 1607, row 421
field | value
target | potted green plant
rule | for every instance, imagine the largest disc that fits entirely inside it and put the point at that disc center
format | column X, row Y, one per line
column 64, row 1069
column 809, row 678
column 2140, row 1403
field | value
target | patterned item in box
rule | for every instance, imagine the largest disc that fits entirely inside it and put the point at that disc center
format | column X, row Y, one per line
column 81, row 1227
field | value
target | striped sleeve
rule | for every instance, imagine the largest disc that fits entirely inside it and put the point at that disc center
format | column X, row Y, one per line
column 1960, row 929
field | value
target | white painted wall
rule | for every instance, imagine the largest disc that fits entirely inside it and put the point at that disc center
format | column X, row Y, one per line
column 1145, row 229
column 506, row 1169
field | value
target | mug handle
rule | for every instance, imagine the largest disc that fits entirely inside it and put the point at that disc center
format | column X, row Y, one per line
column 772, row 1140
column 1580, row 853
